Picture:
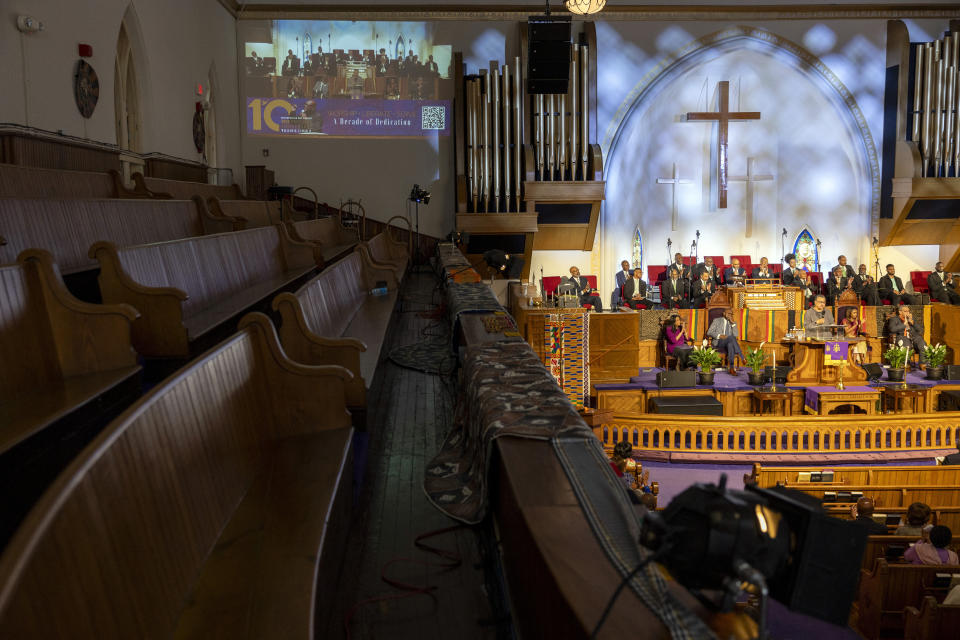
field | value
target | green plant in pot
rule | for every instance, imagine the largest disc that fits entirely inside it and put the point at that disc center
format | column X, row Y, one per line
column 935, row 355
column 896, row 356
column 755, row 360
column 707, row 358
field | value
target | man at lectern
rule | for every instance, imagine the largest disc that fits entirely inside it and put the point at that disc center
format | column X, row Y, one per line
column 817, row 320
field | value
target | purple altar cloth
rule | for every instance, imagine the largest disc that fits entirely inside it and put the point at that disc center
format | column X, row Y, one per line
column 812, row 396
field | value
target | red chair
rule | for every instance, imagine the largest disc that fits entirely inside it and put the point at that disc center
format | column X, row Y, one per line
column 656, row 273
column 817, row 278
column 776, row 268
column 919, row 281
column 550, row 284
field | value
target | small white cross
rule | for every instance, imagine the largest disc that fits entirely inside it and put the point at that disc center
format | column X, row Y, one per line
column 750, row 179
column 673, row 182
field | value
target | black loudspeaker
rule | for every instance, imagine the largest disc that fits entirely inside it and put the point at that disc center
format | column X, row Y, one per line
column 676, row 379
column 948, row 401
column 778, row 373
column 548, row 55
column 951, row 372
column 874, row 370
column 687, row 405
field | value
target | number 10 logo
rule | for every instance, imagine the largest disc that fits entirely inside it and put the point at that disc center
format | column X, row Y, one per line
column 260, row 112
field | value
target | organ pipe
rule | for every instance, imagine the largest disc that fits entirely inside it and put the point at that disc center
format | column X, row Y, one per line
column 485, row 136
column 935, row 106
column 507, row 140
column 584, row 109
column 517, row 130
column 495, row 137
column 574, row 154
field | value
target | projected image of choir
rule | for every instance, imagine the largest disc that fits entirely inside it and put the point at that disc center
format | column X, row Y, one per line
column 349, row 74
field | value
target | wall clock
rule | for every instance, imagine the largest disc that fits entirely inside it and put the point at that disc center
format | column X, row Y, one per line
column 86, row 88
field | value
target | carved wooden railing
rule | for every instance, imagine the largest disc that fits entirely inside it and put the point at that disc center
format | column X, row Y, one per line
column 784, row 434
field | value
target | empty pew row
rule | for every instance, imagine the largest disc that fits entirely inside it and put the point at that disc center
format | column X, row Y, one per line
column 216, row 506
column 183, row 189
column 251, row 213
column 886, row 590
column 186, row 289
column 68, row 368
column 335, row 240
column 67, row 228
column 35, row 182
column 335, row 319
column 383, row 252
column 932, row 621
column 861, row 475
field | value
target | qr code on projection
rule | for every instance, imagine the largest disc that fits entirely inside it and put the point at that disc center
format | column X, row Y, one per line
column 434, row 117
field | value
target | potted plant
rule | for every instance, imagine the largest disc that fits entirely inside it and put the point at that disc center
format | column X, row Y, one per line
column 707, row 358
column 935, row 356
column 897, row 357
column 755, row 360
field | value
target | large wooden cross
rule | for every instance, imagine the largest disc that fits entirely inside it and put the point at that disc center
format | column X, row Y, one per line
column 673, row 182
column 723, row 116
column 751, row 178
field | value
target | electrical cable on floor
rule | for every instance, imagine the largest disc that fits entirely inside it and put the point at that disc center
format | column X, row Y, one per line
column 450, row 560
column 626, row 580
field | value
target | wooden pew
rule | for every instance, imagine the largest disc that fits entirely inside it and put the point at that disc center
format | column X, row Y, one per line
column 185, row 289
column 382, row 252
column 253, row 213
column 333, row 319
column 877, row 547
column 932, row 622
column 887, row 495
column 887, row 589
column 183, row 189
column 217, row 506
column 947, row 515
column 67, row 228
column 333, row 238
column 68, row 366
column 863, row 475
column 17, row 181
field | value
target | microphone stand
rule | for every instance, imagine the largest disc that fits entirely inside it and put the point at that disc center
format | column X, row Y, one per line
column 876, row 260
column 696, row 255
column 817, row 263
column 669, row 255
column 783, row 248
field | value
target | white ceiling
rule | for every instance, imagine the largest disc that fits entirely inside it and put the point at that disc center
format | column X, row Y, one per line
column 610, row 3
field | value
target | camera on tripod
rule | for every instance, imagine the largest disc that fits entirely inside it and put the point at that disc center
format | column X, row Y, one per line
column 419, row 195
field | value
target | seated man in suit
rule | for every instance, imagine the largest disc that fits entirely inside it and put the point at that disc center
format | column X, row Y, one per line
column 906, row 331
column 942, row 286
column 791, row 274
column 635, row 291
column 724, row 332
column 837, row 283
column 702, row 290
column 709, row 268
column 734, row 275
column 621, row 278
column 587, row 294
column 810, row 288
column 817, row 319
column 682, row 269
column 674, row 291
column 866, row 288
column 891, row 286
column 763, row 272
column 847, row 269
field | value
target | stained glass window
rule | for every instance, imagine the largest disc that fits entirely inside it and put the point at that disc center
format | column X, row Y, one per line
column 637, row 248
column 805, row 248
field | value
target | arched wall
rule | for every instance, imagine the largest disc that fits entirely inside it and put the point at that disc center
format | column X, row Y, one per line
column 792, row 89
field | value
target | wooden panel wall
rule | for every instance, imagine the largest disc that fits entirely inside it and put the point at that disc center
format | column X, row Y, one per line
column 23, row 149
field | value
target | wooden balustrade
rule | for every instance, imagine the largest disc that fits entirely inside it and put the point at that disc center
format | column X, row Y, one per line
column 864, row 475
column 779, row 434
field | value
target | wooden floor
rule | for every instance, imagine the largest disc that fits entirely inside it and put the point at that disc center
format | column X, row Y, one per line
column 409, row 414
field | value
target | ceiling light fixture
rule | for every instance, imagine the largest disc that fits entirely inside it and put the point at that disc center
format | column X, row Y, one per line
column 585, row 7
